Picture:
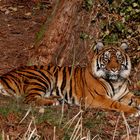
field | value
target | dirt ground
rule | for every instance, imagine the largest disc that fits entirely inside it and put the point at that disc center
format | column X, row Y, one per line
column 19, row 24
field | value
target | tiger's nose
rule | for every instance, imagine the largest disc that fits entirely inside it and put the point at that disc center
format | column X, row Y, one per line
column 114, row 69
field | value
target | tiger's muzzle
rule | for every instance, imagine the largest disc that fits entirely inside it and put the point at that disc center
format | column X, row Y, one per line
column 113, row 75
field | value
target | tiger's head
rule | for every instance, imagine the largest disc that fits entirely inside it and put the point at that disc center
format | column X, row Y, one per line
column 111, row 63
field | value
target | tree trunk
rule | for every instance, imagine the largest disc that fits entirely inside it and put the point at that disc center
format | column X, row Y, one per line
column 62, row 43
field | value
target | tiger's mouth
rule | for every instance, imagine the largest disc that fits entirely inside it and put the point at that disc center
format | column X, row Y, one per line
column 112, row 76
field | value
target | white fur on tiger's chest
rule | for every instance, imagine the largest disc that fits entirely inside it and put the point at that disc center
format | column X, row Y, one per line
column 3, row 91
column 120, row 90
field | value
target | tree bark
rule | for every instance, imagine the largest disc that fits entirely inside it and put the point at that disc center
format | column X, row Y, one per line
column 61, row 43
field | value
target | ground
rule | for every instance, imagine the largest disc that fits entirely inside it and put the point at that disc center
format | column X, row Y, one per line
column 20, row 23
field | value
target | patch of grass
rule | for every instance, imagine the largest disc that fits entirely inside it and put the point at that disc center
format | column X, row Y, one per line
column 11, row 106
column 66, row 136
column 68, row 133
column 1, row 137
column 47, row 115
column 96, row 122
column 40, row 34
column 84, row 36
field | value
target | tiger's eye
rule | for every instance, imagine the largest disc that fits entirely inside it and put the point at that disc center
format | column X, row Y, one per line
column 102, row 66
column 119, row 56
column 123, row 66
column 106, row 57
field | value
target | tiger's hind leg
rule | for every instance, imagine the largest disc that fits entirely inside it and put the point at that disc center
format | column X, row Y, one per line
column 39, row 96
column 40, row 101
column 38, row 91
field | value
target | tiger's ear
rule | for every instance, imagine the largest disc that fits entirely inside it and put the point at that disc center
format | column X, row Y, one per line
column 98, row 47
column 124, row 46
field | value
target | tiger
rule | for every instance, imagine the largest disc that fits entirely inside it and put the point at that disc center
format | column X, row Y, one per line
column 101, row 84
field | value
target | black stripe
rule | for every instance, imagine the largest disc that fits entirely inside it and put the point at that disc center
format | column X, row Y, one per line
column 73, row 100
column 57, row 91
column 131, row 101
column 66, row 96
column 70, row 92
column 35, row 67
column 49, row 67
column 122, row 85
column 16, row 81
column 38, row 84
column 125, row 89
column 23, row 73
column 126, row 62
column 41, row 67
column 42, row 81
column 4, row 79
column 82, row 77
column 36, row 89
column 97, row 65
column 112, row 88
column 98, row 93
column 15, row 77
column 64, row 80
column 54, row 68
column 48, row 80
column 56, row 77
column 18, row 84
column 123, row 96
column 91, row 93
column 35, row 77
column 33, row 94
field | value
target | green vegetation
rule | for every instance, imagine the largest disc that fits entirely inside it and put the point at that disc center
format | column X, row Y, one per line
column 130, row 10
column 125, row 26
column 119, row 20
column 42, row 5
column 88, row 4
column 1, row 137
column 40, row 34
column 74, row 121
column 12, row 107
column 84, row 36
column 97, row 121
column 47, row 115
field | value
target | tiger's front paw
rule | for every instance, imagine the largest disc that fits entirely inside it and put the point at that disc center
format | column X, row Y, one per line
column 138, row 107
column 137, row 114
column 133, row 112
column 56, row 102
